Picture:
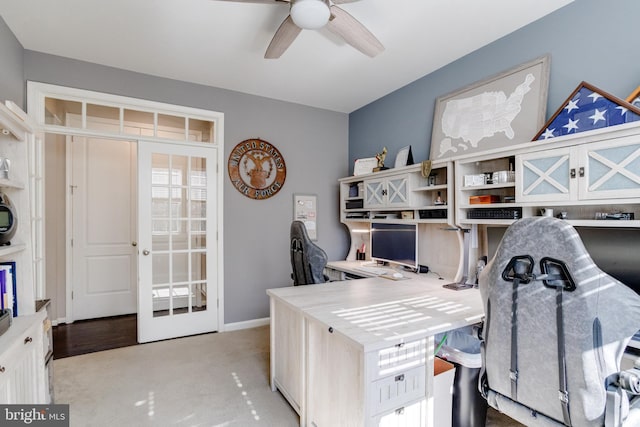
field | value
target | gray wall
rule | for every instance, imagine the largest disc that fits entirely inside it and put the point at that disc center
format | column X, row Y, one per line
column 589, row 40
column 314, row 143
column 12, row 85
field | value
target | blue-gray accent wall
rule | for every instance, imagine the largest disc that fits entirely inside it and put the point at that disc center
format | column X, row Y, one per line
column 588, row 40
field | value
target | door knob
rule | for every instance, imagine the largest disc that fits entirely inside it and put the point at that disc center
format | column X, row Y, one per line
column 145, row 252
column 134, row 243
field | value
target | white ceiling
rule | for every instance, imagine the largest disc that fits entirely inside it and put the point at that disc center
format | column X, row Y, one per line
column 221, row 44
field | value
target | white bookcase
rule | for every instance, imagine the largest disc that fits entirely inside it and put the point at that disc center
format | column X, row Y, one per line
column 22, row 346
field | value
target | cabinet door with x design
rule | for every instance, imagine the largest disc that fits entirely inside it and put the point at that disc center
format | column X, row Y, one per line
column 607, row 169
column 387, row 192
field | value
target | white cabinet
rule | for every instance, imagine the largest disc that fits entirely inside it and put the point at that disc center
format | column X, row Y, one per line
column 387, row 192
column 399, row 194
column 286, row 341
column 608, row 169
column 547, row 176
column 22, row 367
column 380, row 387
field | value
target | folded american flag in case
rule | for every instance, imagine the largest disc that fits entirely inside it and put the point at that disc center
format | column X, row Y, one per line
column 588, row 108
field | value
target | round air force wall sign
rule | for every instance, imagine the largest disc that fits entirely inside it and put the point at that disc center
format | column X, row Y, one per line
column 257, row 169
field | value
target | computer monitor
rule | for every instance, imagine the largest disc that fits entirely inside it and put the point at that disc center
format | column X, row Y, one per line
column 395, row 243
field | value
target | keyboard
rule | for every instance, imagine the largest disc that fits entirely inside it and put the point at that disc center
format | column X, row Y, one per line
column 377, row 271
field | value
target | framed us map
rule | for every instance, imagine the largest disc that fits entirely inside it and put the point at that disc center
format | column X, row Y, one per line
column 506, row 109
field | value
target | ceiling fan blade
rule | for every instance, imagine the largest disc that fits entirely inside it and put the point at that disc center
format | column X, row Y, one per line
column 258, row 1
column 353, row 32
column 282, row 39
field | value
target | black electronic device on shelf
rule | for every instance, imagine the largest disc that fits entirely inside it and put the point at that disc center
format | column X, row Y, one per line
column 8, row 220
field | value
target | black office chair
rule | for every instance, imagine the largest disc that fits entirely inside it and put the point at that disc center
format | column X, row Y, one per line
column 555, row 330
column 307, row 259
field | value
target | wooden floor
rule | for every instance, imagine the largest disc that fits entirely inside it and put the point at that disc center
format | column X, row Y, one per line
column 88, row 336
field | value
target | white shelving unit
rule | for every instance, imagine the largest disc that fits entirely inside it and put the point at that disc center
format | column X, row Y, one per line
column 581, row 175
column 386, row 195
column 23, row 374
column 405, row 195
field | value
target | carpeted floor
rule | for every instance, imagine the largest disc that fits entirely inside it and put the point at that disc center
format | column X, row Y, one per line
column 217, row 379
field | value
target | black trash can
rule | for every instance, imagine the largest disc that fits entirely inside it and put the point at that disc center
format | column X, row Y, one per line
column 462, row 349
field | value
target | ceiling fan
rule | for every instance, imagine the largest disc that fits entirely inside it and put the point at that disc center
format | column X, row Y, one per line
column 316, row 14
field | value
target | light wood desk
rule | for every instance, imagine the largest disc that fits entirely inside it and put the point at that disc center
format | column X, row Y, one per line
column 360, row 352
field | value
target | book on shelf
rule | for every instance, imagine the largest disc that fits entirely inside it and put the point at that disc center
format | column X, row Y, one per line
column 9, row 287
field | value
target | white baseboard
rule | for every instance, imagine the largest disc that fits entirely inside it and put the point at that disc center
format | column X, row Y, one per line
column 227, row 327
column 56, row 322
column 246, row 324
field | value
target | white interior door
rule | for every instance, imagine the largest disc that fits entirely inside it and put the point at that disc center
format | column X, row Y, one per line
column 177, row 208
column 102, row 181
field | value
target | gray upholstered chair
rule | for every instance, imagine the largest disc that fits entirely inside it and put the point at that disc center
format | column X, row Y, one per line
column 555, row 330
column 307, row 259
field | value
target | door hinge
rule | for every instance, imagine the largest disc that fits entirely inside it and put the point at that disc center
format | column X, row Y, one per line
column 71, row 242
column 218, row 303
column 72, row 187
column 71, row 294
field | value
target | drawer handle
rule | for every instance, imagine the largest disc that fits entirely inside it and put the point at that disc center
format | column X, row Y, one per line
column 27, row 340
column 400, row 377
column 330, row 329
column 400, row 345
column 400, row 411
column 1, row 369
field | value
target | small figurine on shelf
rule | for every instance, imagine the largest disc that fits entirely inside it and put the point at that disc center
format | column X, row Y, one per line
column 439, row 200
column 380, row 157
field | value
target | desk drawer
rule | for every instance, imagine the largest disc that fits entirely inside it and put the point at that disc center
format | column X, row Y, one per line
column 396, row 390
column 397, row 358
column 413, row 415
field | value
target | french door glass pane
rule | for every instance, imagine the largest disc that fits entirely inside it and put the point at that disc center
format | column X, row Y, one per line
column 161, row 300
column 198, row 266
column 198, row 241
column 180, row 264
column 160, row 268
column 178, row 221
column 181, row 299
column 199, row 296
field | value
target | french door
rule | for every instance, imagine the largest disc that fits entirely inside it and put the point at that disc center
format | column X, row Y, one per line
column 177, row 244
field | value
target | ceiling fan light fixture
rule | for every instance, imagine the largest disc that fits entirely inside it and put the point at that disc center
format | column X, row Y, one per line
column 310, row 14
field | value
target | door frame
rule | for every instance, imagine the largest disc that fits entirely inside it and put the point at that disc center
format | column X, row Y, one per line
column 36, row 96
